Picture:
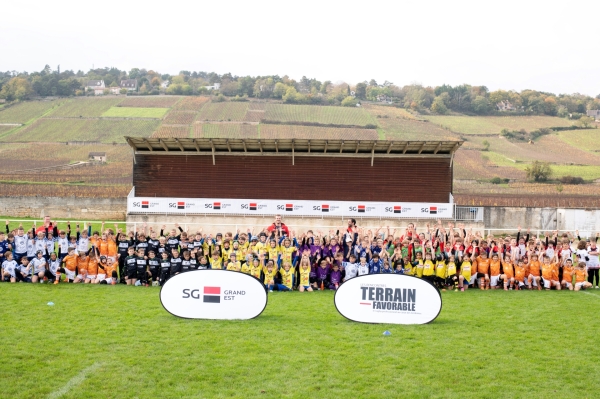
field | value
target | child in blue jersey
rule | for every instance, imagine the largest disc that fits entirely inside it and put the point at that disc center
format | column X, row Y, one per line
column 375, row 264
column 23, row 271
column 386, row 268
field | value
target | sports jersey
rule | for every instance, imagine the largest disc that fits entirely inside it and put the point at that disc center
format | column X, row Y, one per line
column 102, row 247
column 418, row 268
column 579, row 275
column 123, row 248
column 53, row 266
column 9, row 266
column 335, row 277
column 375, row 267
column 287, row 277
column 483, row 265
column 520, row 273
column 351, row 269
column 25, row 270
column 21, row 244
column 362, row 269
column 568, row 273
column 40, row 245
column 450, row 269
column 70, row 262
column 153, row 245
column 49, row 245
column 30, row 247
column 141, row 264
column 130, row 263
column 153, row 264
column 386, row 270
column 534, row 268
column 269, row 275
column 547, row 271
column 141, row 245
column 186, row 265
column 193, row 263
column 92, row 266
column 225, row 252
column 495, row 268
column 63, row 245
column 555, row 268
column 466, row 270
column 508, row 270
column 204, row 266
column 38, row 265
column 165, row 264
column 286, row 253
column 83, row 244
column 235, row 266
column 110, row 269
column 172, row 243
column 175, row 265
column 82, row 264
column 216, row 263
column 428, row 268
column 305, row 275
column 273, row 253
column 440, row 269
column 246, row 267
column 112, row 247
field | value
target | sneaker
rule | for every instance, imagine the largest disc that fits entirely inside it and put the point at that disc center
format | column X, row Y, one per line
column 443, row 289
column 56, row 281
column 456, row 290
column 270, row 290
column 597, row 287
column 462, row 289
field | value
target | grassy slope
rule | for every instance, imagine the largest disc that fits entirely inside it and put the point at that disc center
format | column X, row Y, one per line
column 131, row 112
column 495, row 124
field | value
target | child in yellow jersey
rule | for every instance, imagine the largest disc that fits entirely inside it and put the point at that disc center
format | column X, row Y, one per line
column 246, row 267
column 466, row 272
column 287, row 277
column 428, row 269
column 418, row 265
column 304, row 269
column 451, row 277
column 567, row 277
column 233, row 264
column 272, row 251
column 440, row 274
column 287, row 250
column 269, row 271
column 216, row 261
column 255, row 267
column 581, row 276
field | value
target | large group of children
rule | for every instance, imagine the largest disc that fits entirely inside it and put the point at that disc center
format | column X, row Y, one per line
column 450, row 257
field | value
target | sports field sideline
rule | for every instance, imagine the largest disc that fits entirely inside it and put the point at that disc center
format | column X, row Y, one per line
column 118, row 342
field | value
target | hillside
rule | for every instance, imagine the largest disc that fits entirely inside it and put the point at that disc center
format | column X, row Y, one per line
column 35, row 134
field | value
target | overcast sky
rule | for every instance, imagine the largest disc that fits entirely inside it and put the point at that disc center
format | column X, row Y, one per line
column 545, row 45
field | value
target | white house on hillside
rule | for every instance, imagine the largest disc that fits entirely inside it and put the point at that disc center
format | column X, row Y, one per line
column 129, row 84
column 96, row 84
column 216, row 86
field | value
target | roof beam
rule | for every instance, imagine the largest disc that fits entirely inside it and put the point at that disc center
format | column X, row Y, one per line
column 293, row 153
column 341, row 146
column 196, row 145
column 422, row 146
column 309, row 146
column 260, row 146
column 244, row 142
column 162, row 143
column 179, row 144
column 438, row 147
column 276, row 146
column 213, row 150
column 405, row 147
column 148, row 145
column 390, row 147
column 326, row 142
column 357, row 145
column 228, row 146
column 373, row 152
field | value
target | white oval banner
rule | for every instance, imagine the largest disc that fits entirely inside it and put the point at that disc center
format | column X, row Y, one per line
column 388, row 298
column 214, row 294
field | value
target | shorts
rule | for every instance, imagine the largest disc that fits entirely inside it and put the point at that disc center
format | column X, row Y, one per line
column 473, row 279
column 494, row 280
column 306, row 287
column 568, row 284
column 101, row 276
column 580, row 285
column 81, row 277
column 131, row 274
column 482, row 275
column 532, row 278
column 70, row 274
column 91, row 276
column 281, row 287
column 547, row 283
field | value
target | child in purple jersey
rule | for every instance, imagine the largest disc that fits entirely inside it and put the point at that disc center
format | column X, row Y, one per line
column 322, row 274
column 335, row 277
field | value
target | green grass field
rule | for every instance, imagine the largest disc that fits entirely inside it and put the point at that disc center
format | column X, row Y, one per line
column 26, row 111
column 587, row 172
column 318, row 114
column 133, row 112
column 495, row 124
column 85, row 107
column 103, row 130
column 586, row 140
column 118, row 341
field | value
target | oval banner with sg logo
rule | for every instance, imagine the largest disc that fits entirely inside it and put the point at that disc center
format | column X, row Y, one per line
column 388, row 298
column 214, row 295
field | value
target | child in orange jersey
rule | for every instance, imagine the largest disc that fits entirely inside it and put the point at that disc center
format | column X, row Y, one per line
column 92, row 266
column 581, row 276
column 483, row 271
column 70, row 264
column 508, row 274
column 520, row 273
column 82, row 266
column 495, row 271
column 533, row 279
column 548, row 267
column 567, row 275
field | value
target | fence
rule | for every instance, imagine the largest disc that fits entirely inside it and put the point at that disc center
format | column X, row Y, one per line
column 468, row 213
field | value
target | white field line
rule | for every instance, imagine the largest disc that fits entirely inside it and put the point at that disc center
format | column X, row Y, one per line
column 73, row 382
column 589, row 293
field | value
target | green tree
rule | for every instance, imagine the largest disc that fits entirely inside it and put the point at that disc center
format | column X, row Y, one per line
column 585, row 121
column 539, row 171
column 480, row 105
column 290, row 96
column 361, row 91
column 486, row 145
column 16, row 89
column 279, row 90
column 349, row 102
column 438, row 106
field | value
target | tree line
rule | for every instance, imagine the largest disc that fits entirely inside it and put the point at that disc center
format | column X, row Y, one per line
column 442, row 99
